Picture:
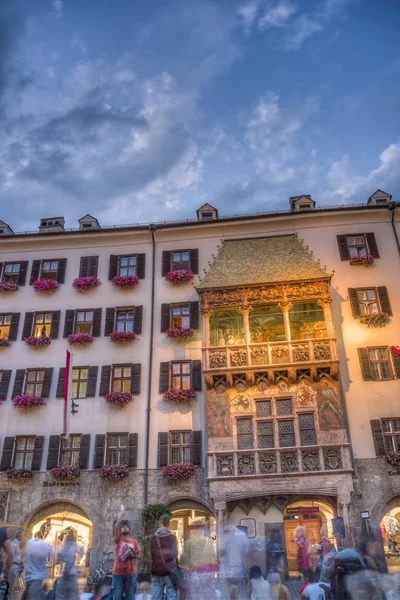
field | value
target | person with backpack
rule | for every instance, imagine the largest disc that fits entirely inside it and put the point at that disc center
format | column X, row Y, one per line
column 164, row 554
column 67, row 586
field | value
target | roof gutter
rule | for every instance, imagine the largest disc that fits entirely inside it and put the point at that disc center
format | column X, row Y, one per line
column 392, row 207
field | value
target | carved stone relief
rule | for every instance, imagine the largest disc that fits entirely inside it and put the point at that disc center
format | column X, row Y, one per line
column 267, row 462
column 310, row 460
column 289, row 463
column 332, row 459
column 246, row 464
column 225, row 465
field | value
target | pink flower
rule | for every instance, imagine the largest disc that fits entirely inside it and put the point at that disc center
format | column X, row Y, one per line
column 45, row 285
column 38, row 342
column 19, row 474
column 181, row 276
column 176, row 471
column 8, row 286
column 122, row 336
column 179, row 333
column 4, row 343
column 65, row 472
column 125, row 282
column 85, row 283
column 362, row 259
column 114, row 472
column 27, row 401
column 80, row 338
column 119, row 398
column 179, row 396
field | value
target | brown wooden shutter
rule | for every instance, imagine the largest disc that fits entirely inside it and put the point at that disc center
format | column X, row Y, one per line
column 354, row 303
column 1, row 271
column 378, row 436
column 48, row 374
column 113, row 268
column 18, row 382
column 35, row 272
column 140, row 265
column 28, row 325
column 396, row 363
column 99, row 451
column 69, row 323
column 197, row 448
column 84, row 451
column 37, row 453
column 166, row 262
column 194, row 261
column 162, row 449
column 133, row 446
column 343, row 247
column 96, row 327
column 53, row 452
column 13, row 332
column 165, row 317
column 88, row 266
column 136, row 378
column 23, row 269
column 384, row 300
column 105, row 380
column 92, row 382
column 194, row 315
column 196, row 375
column 55, row 324
column 60, row 383
column 164, row 376
column 372, row 245
column 110, row 321
column 5, row 384
column 138, row 318
column 6, row 457
column 365, row 364
column 62, row 267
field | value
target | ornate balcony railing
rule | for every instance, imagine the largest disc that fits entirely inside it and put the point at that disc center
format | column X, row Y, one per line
column 271, row 354
column 305, row 460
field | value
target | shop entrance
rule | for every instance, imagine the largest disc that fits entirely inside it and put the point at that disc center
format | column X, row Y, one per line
column 188, row 523
column 390, row 528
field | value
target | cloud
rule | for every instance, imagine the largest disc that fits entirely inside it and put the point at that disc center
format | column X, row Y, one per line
column 277, row 15
column 58, row 8
column 302, row 28
column 247, row 14
column 11, row 28
column 77, row 44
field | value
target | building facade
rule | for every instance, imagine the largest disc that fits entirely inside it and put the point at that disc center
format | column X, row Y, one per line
column 294, row 367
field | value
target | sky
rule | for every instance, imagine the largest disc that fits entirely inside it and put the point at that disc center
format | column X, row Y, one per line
column 141, row 111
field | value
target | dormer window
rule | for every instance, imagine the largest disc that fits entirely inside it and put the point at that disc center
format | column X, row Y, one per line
column 300, row 203
column 207, row 213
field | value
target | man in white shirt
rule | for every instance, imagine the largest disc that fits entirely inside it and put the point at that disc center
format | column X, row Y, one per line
column 37, row 554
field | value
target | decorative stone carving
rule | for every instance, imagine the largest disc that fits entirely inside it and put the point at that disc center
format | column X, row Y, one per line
column 332, row 459
column 289, row 463
column 301, row 353
column 311, row 289
column 267, row 462
column 238, row 358
column 217, row 359
column 322, row 351
column 259, row 355
column 3, row 505
column 246, row 464
column 310, row 460
column 225, row 465
column 280, row 354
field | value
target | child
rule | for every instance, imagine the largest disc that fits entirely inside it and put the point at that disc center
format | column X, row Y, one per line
column 143, row 591
column 258, row 588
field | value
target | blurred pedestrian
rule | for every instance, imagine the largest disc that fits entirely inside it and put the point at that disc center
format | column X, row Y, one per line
column 199, row 559
column 17, row 566
column 67, row 587
column 38, row 552
column 5, row 545
column 258, row 588
column 126, row 554
column 164, row 554
column 277, row 589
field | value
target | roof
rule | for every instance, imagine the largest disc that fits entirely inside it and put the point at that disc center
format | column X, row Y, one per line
column 294, row 199
column 261, row 260
column 206, row 206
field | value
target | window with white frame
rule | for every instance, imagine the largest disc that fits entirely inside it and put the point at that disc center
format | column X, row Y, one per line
column 79, row 382
column 117, row 449
column 70, row 450
column 49, row 269
column 127, row 265
column 125, row 320
column 11, row 271
column 380, row 363
column 34, row 381
column 357, row 245
column 180, row 446
column 84, row 321
column 24, row 447
column 180, row 315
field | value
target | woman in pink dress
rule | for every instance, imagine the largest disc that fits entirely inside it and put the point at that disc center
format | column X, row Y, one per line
column 303, row 547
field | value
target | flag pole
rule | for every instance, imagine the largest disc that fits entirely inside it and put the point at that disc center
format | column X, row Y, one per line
column 68, row 370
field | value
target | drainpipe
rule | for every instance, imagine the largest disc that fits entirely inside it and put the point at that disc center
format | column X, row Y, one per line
column 392, row 207
column 152, row 229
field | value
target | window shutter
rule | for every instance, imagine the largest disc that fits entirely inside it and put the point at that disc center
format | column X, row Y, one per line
column 136, row 378
column 84, row 266
column 28, row 325
column 54, row 452
column 384, row 300
column 92, row 382
column 69, row 323
column 355, row 305
column 197, row 448
column 37, row 453
column 396, row 363
column 1, row 271
column 113, row 268
column 13, row 333
column 138, row 318
column 18, row 382
column 60, row 383
column 166, row 262
column 6, row 458
column 196, row 375
column 162, row 449
column 62, row 266
column 84, row 451
column 372, row 245
column 35, row 271
column 165, row 317
column 194, row 315
column 105, row 380
column 140, row 265
column 164, row 376
column 110, row 319
column 194, row 261
column 99, row 450
column 96, row 328
column 23, row 269
column 343, row 247
column 55, row 324
column 365, row 364
column 48, row 374
column 5, row 384
column 133, row 444
column 378, row 436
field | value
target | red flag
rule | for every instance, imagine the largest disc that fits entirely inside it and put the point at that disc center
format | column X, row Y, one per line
column 66, row 386
column 396, row 350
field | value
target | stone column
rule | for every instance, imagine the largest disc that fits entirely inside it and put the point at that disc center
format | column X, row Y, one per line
column 245, row 310
column 325, row 303
column 220, row 507
column 285, row 306
column 206, row 314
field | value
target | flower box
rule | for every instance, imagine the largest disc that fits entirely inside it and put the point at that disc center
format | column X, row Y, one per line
column 374, row 319
column 4, row 343
column 86, row 283
column 180, row 334
column 179, row 396
column 362, row 259
column 45, row 285
column 37, row 342
column 19, row 474
column 180, row 276
column 27, row 401
column 114, row 472
column 393, row 458
column 122, row 336
column 173, row 472
column 125, row 282
column 65, row 473
column 119, row 398
column 80, row 338
column 8, row 286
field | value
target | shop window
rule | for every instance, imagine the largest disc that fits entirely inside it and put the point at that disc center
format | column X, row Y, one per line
column 121, row 378
column 5, row 322
column 181, row 375
column 266, row 324
column 84, row 321
column 226, row 328
column 180, row 316
column 125, row 320
column 307, row 321
column 24, row 448
column 34, row 381
column 117, row 449
column 79, row 382
column 127, row 265
column 245, row 433
column 70, row 450
column 180, row 446
column 42, row 325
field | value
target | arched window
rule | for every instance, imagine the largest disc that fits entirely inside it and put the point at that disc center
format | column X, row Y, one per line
column 266, row 324
column 307, row 321
column 226, row 328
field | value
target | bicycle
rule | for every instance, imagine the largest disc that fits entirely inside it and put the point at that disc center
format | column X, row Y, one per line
column 101, row 573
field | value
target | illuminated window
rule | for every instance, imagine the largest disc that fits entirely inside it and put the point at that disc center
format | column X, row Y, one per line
column 266, row 324
column 5, row 322
column 307, row 321
column 180, row 316
column 34, row 382
column 226, row 327
column 79, row 382
column 121, row 379
column 181, row 375
column 42, row 324
column 84, row 321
